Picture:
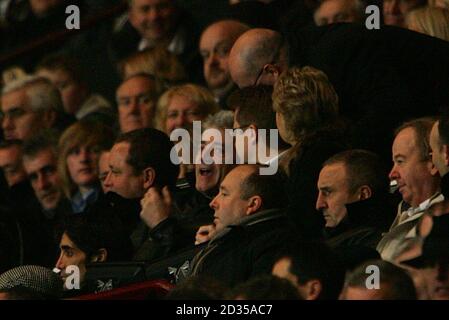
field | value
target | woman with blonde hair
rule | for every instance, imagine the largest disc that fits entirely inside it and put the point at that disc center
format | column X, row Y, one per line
column 179, row 106
column 157, row 61
column 306, row 107
column 429, row 20
column 79, row 147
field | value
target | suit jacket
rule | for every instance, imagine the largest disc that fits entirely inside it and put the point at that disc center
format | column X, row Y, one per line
column 382, row 77
column 244, row 250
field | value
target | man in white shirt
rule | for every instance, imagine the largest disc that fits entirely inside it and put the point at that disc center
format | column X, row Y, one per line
column 418, row 182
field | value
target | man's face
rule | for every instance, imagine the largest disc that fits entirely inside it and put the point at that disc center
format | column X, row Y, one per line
column 72, row 92
column 437, row 281
column 18, row 120
column 70, row 255
column 11, row 165
column 41, row 7
column 153, row 19
column 360, row 293
column 394, row 11
column 42, row 172
column 181, row 112
column 334, row 194
column 333, row 11
column 103, row 169
column 136, row 104
column 209, row 175
column 228, row 206
column 438, row 156
column 412, row 173
column 82, row 163
column 121, row 178
column 215, row 44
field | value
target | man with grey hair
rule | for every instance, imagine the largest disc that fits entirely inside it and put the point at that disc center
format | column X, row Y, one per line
column 29, row 105
column 258, row 57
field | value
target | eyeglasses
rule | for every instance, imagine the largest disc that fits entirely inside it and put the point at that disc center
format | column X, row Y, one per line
column 273, row 60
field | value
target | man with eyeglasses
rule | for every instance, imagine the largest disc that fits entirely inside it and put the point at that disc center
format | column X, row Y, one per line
column 258, row 57
column 28, row 105
column 136, row 100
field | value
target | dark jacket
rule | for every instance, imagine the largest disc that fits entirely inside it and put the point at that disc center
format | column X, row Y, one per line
column 364, row 224
column 304, row 171
column 244, row 250
column 382, row 77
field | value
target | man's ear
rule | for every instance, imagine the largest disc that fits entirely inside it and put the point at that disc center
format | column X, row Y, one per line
column 273, row 69
column 149, row 175
column 312, row 289
column 254, row 205
column 432, row 168
column 48, row 118
column 365, row 192
column 446, row 154
column 253, row 131
column 100, row 256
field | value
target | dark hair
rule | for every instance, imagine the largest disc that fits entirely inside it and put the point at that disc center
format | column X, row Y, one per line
column 254, row 106
column 398, row 283
column 66, row 63
column 43, row 141
column 265, row 287
column 316, row 260
column 90, row 233
column 151, row 148
column 362, row 168
column 5, row 144
column 422, row 128
column 199, row 287
column 271, row 188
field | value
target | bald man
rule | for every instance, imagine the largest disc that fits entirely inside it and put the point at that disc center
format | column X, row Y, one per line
column 215, row 44
column 258, row 57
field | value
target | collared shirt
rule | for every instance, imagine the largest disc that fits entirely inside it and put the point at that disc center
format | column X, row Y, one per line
column 423, row 206
column 176, row 46
column 81, row 200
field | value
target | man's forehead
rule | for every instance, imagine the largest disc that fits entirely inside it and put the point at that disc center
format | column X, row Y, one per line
column 135, row 85
column 43, row 158
column 332, row 174
column 405, row 142
column 13, row 99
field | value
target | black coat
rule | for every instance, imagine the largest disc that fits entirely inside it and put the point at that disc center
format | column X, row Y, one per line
column 302, row 183
column 244, row 250
column 382, row 77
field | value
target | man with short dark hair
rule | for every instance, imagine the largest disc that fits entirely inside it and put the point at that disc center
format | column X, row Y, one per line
column 313, row 268
column 394, row 283
column 91, row 238
column 141, row 170
column 11, row 162
column 250, row 226
column 253, row 110
column 353, row 198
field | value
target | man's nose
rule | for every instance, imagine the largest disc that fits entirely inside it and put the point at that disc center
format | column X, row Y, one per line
column 42, row 182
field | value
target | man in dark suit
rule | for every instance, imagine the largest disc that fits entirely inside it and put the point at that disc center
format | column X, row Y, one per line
column 382, row 77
